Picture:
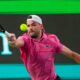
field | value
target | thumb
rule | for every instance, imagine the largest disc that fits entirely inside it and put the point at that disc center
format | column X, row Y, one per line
column 12, row 37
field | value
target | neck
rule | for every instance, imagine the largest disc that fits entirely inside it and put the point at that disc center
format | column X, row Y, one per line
column 40, row 35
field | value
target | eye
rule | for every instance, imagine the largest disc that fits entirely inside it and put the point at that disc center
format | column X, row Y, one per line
column 33, row 24
column 28, row 25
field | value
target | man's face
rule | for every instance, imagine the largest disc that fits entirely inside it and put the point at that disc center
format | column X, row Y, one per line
column 34, row 28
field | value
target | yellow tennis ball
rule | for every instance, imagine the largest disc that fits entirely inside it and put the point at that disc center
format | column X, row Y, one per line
column 23, row 27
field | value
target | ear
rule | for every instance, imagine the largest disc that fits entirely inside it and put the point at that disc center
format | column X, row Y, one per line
column 42, row 27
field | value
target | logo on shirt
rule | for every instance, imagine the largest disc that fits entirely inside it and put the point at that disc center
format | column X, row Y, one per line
column 47, row 46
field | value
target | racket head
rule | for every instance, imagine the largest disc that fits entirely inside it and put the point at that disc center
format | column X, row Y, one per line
column 2, row 29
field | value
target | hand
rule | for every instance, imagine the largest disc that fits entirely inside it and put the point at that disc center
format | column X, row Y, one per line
column 11, row 39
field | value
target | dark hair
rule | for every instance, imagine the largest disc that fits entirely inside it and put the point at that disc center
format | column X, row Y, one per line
column 29, row 17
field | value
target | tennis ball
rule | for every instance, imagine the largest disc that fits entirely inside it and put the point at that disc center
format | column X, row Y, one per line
column 23, row 27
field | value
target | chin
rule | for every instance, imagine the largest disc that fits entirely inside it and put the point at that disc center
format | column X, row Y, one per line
column 33, row 35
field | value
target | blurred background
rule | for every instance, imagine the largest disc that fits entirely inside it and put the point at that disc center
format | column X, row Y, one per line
column 60, row 17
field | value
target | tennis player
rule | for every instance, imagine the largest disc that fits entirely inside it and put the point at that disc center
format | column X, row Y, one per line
column 37, row 50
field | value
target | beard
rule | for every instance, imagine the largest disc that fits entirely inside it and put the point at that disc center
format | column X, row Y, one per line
column 34, row 35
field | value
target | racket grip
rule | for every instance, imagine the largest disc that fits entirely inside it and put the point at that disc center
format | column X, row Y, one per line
column 7, row 34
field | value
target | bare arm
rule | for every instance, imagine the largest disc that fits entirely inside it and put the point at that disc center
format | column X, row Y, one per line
column 71, row 54
column 15, row 42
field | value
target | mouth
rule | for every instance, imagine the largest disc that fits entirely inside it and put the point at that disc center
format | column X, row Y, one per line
column 31, row 31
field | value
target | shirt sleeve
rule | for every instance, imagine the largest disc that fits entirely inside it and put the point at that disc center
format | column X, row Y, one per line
column 25, row 39
column 59, row 45
column 24, row 49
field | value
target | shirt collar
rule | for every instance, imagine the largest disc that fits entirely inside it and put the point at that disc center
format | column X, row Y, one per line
column 44, row 36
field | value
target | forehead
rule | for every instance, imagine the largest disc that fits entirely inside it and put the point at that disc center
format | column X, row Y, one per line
column 31, row 22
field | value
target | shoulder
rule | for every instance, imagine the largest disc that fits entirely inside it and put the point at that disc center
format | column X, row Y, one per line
column 24, row 37
column 53, row 37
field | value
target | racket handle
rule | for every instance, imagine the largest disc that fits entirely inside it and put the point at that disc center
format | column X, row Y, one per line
column 7, row 34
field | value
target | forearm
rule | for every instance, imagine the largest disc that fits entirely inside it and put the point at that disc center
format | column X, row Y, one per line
column 17, row 43
column 76, row 56
column 12, row 43
column 71, row 54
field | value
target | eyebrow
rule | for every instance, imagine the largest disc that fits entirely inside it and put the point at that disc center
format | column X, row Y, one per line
column 32, row 23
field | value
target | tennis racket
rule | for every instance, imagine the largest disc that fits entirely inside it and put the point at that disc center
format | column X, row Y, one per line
column 2, row 29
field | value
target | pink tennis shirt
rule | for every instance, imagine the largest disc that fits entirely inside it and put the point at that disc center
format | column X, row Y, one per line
column 38, row 55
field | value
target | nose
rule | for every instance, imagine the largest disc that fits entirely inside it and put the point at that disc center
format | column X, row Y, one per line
column 30, row 27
